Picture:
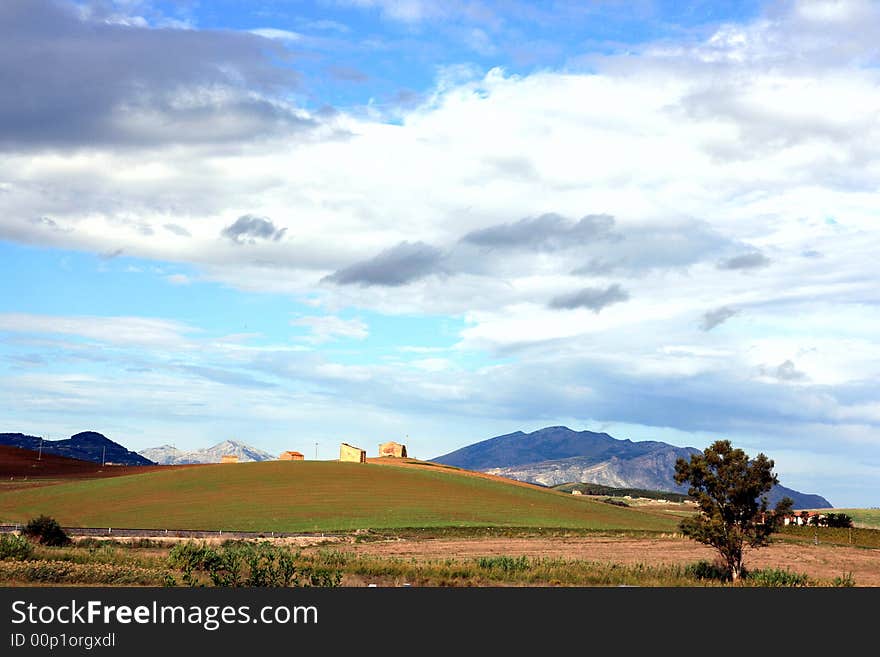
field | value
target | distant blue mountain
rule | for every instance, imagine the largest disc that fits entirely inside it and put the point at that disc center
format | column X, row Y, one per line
column 86, row 446
column 559, row 455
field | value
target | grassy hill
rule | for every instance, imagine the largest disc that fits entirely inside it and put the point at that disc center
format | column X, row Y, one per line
column 611, row 491
column 315, row 496
column 868, row 518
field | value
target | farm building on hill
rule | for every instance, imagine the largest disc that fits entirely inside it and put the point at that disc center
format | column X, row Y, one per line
column 291, row 456
column 392, row 448
column 229, row 458
column 353, row 454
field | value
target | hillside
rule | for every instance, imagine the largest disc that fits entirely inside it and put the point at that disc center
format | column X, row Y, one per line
column 85, row 446
column 558, row 455
column 168, row 455
column 315, row 496
column 611, row 491
column 17, row 464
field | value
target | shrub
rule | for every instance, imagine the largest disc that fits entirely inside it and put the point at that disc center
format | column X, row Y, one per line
column 707, row 570
column 777, row 577
column 63, row 572
column 46, row 531
column 248, row 564
column 192, row 557
column 504, row 563
column 838, row 520
column 15, row 548
column 845, row 580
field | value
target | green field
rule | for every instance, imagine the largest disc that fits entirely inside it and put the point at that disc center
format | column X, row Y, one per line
column 307, row 496
column 868, row 518
column 612, row 491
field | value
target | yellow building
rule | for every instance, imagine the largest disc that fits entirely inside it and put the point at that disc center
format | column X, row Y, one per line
column 291, row 456
column 352, row 454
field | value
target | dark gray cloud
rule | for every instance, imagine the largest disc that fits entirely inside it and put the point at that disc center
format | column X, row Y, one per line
column 713, row 318
column 177, row 230
column 51, row 224
column 248, row 228
column 594, row 298
column 71, row 79
column 640, row 248
column 347, row 74
column 396, row 266
column 788, row 372
column 753, row 260
column 109, row 255
column 548, row 232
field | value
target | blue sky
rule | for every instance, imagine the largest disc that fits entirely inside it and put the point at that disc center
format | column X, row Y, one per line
column 289, row 222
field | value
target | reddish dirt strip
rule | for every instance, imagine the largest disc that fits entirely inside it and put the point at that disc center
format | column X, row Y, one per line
column 17, row 463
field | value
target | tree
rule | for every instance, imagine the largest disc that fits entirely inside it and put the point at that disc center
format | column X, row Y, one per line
column 730, row 489
column 47, row 531
column 838, row 520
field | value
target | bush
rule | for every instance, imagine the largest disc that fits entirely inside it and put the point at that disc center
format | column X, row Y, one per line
column 504, row 563
column 63, row 572
column 777, row 577
column 707, row 570
column 247, row 564
column 46, row 531
column 845, row 580
column 838, row 520
column 15, row 548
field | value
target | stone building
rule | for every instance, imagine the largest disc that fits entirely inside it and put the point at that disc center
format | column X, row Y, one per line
column 392, row 448
column 291, row 456
column 352, row 454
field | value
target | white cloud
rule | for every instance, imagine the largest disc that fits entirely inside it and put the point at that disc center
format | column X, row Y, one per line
column 408, row 11
column 432, row 364
column 274, row 33
column 142, row 331
column 329, row 327
column 178, row 279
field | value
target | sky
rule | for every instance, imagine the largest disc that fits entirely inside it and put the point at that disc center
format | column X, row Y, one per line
column 294, row 223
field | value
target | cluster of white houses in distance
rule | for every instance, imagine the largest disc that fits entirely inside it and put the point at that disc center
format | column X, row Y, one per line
column 348, row 453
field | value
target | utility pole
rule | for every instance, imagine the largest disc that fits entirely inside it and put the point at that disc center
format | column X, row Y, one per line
column 316, row 451
column 103, row 456
column 40, row 454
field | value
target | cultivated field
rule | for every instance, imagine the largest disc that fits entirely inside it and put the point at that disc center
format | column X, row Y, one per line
column 821, row 562
column 869, row 518
column 321, row 496
column 24, row 468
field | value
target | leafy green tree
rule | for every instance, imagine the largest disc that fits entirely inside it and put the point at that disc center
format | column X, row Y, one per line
column 46, row 530
column 730, row 490
column 838, row 520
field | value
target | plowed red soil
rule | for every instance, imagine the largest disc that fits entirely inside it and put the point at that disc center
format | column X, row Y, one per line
column 17, row 463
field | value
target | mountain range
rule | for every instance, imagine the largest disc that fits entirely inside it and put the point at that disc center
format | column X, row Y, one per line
column 558, row 455
column 85, row 446
column 169, row 455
